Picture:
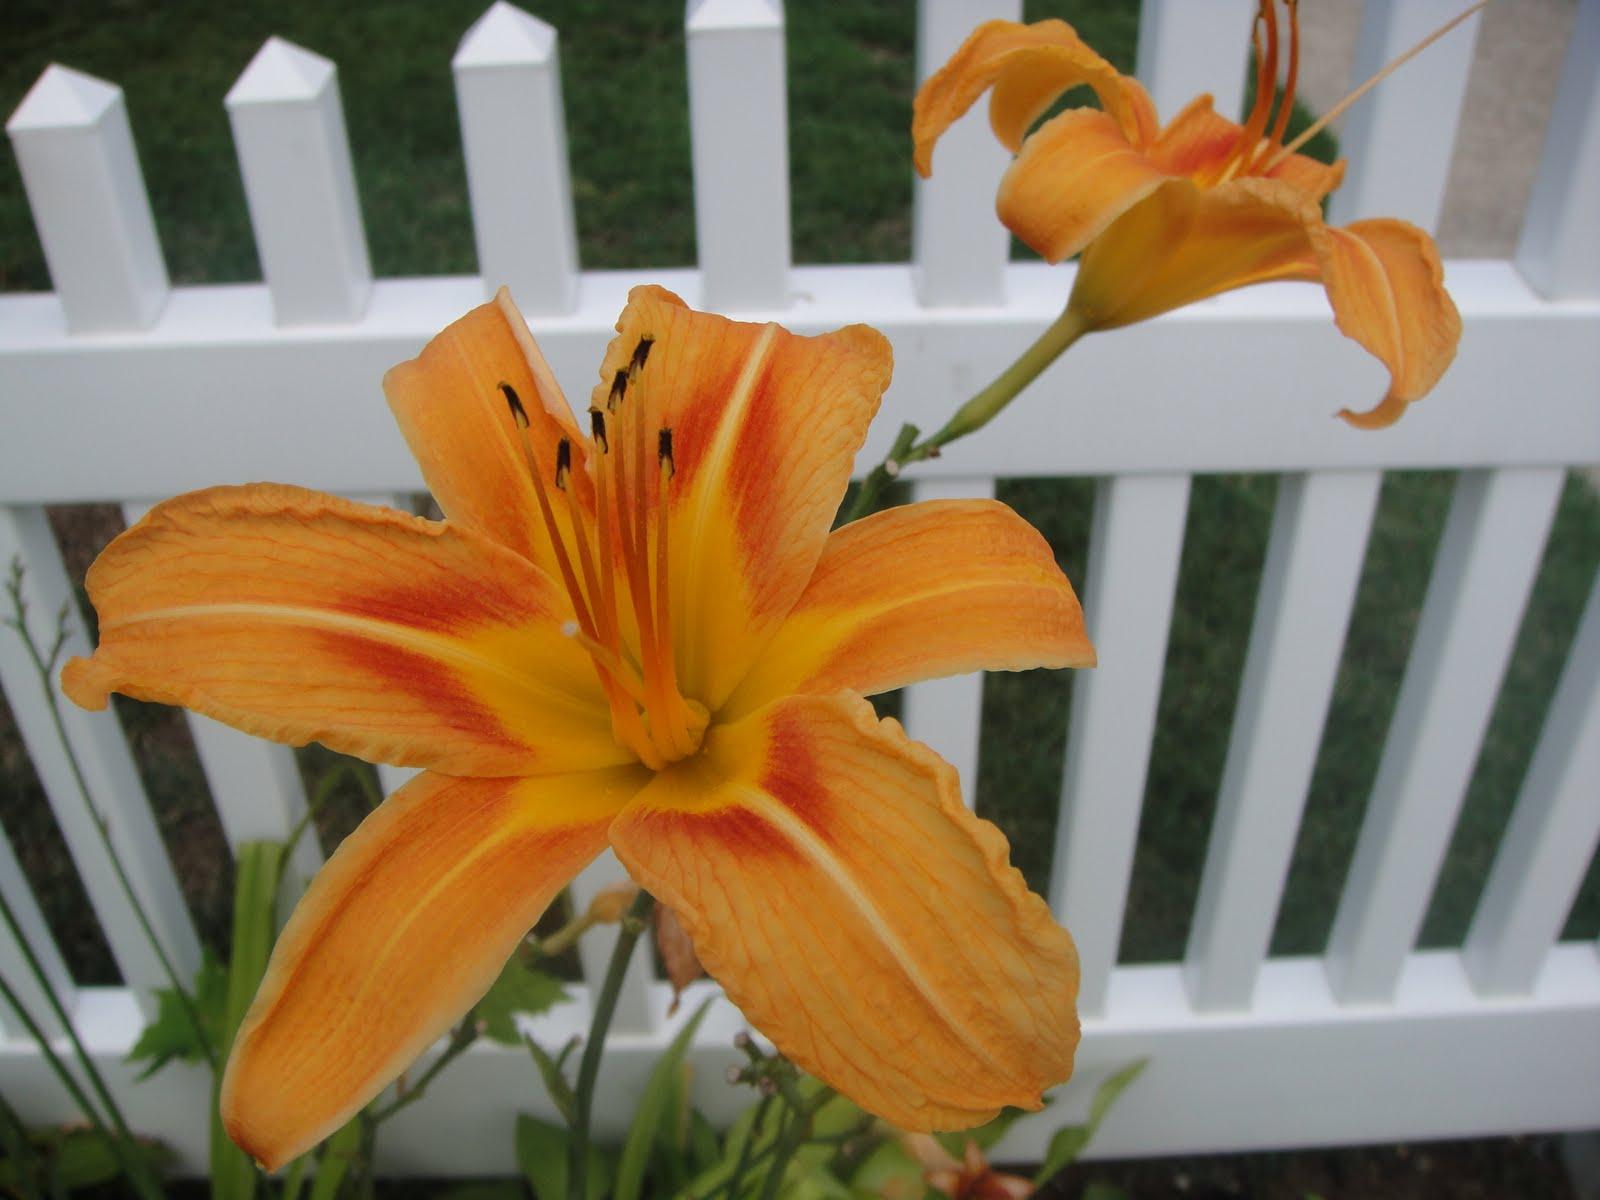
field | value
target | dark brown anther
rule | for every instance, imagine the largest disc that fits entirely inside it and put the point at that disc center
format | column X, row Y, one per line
column 518, row 413
column 619, row 386
column 597, row 429
column 640, row 353
column 563, row 462
column 664, row 451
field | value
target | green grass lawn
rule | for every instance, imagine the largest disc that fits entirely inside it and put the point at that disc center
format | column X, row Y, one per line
column 850, row 80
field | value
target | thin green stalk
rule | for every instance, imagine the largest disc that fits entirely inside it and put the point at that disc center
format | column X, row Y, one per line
column 747, row 1150
column 605, row 1006
column 796, row 1133
column 974, row 414
column 44, row 666
column 465, row 1034
column 122, row 1143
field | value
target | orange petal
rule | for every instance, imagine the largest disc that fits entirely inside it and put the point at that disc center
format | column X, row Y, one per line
column 1076, row 175
column 1199, row 143
column 859, row 914
column 400, row 933
column 456, row 420
column 299, row 616
column 1028, row 66
column 921, row 590
column 1184, row 245
column 1386, row 285
column 765, row 427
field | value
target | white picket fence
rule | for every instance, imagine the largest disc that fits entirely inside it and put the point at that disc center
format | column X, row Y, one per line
column 120, row 387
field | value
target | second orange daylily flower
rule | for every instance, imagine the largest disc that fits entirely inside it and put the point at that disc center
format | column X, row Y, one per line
column 645, row 638
column 1167, row 216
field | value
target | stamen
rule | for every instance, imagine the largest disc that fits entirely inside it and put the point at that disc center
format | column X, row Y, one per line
column 608, row 585
column 564, row 466
column 1266, row 87
column 1338, row 110
column 518, row 413
column 597, row 429
column 607, row 658
column 1286, row 108
column 619, row 387
column 641, row 352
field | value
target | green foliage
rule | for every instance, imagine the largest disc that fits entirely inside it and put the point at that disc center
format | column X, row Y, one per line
column 172, row 1034
column 661, row 1106
column 519, row 989
column 1071, row 1141
column 542, row 1156
column 555, row 1080
column 56, row 1162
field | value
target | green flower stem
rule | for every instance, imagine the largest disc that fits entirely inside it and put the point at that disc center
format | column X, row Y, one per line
column 605, row 1006
column 736, row 1180
column 796, row 1132
column 465, row 1034
column 123, row 1144
column 44, row 666
column 974, row 414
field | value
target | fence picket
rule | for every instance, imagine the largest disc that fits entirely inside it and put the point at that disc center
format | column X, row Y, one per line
column 739, row 141
column 294, row 157
column 958, row 249
column 1308, row 586
column 14, row 967
column 514, row 133
column 1399, row 138
column 947, row 714
column 1485, row 568
column 109, row 772
column 81, row 173
column 1559, row 251
column 1133, row 571
column 1551, row 839
column 1187, row 48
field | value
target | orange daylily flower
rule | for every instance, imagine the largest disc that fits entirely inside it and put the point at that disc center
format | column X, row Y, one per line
column 645, row 638
column 1167, row 216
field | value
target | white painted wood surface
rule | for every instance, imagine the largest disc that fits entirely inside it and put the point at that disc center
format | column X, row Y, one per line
column 1134, row 549
column 1552, row 836
column 1308, row 587
column 14, row 965
column 947, row 714
column 1559, row 250
column 1490, row 551
column 1399, row 137
column 81, row 172
column 514, row 133
column 108, row 768
column 739, row 141
column 312, row 394
column 294, row 157
column 1218, row 1084
column 1187, row 48
column 958, row 246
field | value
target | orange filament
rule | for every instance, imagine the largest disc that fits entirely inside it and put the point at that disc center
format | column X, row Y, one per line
column 1338, row 110
column 649, row 713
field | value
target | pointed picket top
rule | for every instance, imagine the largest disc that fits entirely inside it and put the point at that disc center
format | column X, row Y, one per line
column 707, row 15
column 281, row 71
column 62, row 98
column 505, row 36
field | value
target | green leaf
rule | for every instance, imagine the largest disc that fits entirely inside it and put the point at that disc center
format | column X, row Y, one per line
column 703, row 1148
column 555, row 1082
column 672, row 1135
column 653, row 1106
column 501, row 1189
column 171, row 1035
column 542, row 1156
column 1070, row 1141
column 339, row 1154
column 520, row 989
column 1103, row 1191
column 83, row 1158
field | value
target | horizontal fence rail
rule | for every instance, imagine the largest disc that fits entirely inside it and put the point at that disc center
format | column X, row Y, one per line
column 119, row 387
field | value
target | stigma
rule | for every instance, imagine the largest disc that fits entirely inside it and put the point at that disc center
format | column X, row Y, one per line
column 613, row 550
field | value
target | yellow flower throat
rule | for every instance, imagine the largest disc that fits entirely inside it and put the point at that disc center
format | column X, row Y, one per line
column 649, row 714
